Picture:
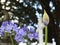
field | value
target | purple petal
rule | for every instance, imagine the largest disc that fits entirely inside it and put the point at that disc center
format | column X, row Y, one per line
column 36, row 36
column 30, row 36
column 19, row 38
column 25, row 28
column 4, row 23
column 8, row 28
column 32, row 30
column 22, row 32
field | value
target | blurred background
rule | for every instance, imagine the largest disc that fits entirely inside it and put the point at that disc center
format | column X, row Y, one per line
column 28, row 11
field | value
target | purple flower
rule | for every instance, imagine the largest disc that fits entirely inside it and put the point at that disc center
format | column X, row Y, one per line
column 30, row 36
column 8, row 28
column 13, row 27
column 4, row 23
column 25, row 28
column 2, row 31
column 16, row 30
column 2, row 28
column 36, row 36
column 33, row 36
column 32, row 30
column 19, row 38
column 13, row 24
column 22, row 32
column 10, row 22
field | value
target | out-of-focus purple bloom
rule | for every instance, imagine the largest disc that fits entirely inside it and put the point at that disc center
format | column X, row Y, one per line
column 19, row 38
column 36, row 36
column 25, row 28
column 33, row 36
column 32, row 30
column 13, row 24
column 8, row 28
column 10, row 22
column 2, row 28
column 22, row 32
column 16, row 30
column 4, row 23
column 30, row 36
column 2, row 31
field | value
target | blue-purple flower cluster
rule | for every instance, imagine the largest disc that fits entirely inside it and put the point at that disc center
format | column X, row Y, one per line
column 8, row 26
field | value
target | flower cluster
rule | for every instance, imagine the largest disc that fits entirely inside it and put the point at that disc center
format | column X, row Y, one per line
column 20, row 33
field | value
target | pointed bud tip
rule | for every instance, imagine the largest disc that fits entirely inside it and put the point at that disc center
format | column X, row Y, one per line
column 45, row 18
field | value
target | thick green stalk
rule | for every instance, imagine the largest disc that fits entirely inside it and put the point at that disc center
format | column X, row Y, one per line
column 11, row 39
column 46, row 35
column 5, row 35
column 28, row 43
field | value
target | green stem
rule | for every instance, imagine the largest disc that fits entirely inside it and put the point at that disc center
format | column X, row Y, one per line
column 28, row 43
column 11, row 39
column 46, row 35
column 5, row 35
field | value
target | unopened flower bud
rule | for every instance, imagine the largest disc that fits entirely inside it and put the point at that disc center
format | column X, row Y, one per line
column 45, row 18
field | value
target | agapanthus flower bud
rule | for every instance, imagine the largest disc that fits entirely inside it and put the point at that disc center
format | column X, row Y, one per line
column 45, row 18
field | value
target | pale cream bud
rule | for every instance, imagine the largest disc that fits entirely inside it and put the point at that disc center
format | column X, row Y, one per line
column 45, row 18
